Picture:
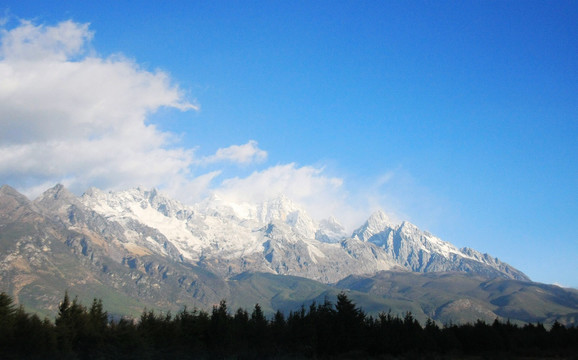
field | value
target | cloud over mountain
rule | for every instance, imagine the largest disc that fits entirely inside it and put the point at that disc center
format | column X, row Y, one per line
column 73, row 116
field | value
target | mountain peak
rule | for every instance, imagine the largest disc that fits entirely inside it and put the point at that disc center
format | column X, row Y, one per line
column 376, row 223
column 277, row 208
column 11, row 199
column 147, row 193
column 56, row 198
column 331, row 222
column 379, row 218
column 7, row 190
column 330, row 231
column 92, row 192
column 57, row 192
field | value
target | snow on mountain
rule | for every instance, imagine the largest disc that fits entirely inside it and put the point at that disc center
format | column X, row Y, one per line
column 274, row 236
column 330, row 231
column 421, row 251
column 147, row 208
column 377, row 222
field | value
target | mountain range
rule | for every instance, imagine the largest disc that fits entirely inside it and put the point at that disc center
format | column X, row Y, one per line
column 138, row 248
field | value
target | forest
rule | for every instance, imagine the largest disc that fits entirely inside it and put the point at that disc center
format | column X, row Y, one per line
column 321, row 330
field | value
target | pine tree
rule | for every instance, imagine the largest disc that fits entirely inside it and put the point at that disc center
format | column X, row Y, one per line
column 350, row 324
column 7, row 318
column 219, row 333
column 258, row 329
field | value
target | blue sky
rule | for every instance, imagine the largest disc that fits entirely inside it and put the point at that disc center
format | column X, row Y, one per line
column 461, row 117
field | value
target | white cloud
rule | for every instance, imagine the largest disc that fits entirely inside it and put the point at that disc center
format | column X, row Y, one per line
column 321, row 195
column 68, row 115
column 297, row 183
column 81, row 119
column 241, row 154
column 33, row 43
column 191, row 190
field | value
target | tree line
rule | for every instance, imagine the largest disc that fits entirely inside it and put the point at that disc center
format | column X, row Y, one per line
column 321, row 330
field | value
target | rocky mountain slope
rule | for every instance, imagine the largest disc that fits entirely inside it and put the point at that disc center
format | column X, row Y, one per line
column 138, row 248
column 278, row 237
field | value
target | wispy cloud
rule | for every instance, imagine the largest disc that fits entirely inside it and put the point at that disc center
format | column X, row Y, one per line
column 404, row 198
column 308, row 186
column 241, row 154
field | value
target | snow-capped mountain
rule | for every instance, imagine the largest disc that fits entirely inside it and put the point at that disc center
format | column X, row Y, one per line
column 274, row 236
column 279, row 237
column 420, row 251
column 138, row 248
